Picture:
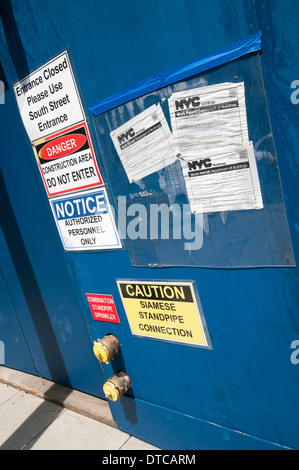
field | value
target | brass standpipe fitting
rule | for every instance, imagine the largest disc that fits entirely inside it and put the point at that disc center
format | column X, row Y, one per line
column 117, row 386
column 106, row 348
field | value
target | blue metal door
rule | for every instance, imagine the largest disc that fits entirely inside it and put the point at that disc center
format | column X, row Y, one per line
column 35, row 270
column 239, row 394
column 13, row 343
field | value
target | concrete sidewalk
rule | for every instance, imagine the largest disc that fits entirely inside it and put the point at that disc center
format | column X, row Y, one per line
column 30, row 422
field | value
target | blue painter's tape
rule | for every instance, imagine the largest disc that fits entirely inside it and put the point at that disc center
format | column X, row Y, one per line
column 226, row 54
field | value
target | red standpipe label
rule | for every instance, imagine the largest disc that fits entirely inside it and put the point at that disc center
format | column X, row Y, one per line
column 102, row 307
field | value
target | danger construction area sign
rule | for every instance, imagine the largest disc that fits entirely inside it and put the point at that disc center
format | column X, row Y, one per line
column 67, row 161
column 168, row 311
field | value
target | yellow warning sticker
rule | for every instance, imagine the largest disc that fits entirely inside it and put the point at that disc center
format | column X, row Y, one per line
column 168, row 311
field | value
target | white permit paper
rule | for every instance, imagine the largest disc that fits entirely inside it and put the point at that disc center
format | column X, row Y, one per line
column 223, row 182
column 210, row 130
column 145, row 144
column 209, row 117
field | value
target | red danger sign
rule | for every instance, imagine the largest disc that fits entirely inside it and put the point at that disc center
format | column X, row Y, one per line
column 67, row 161
column 102, row 307
column 62, row 146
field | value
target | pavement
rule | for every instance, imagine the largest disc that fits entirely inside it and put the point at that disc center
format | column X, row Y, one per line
column 30, row 422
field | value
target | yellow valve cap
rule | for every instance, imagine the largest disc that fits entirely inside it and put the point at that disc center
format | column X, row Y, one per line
column 111, row 392
column 101, row 352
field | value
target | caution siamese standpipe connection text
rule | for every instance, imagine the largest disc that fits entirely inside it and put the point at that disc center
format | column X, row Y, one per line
column 165, row 311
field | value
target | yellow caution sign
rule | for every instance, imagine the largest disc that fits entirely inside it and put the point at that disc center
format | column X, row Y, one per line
column 168, row 311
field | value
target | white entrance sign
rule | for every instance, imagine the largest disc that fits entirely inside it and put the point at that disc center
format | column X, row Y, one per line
column 48, row 99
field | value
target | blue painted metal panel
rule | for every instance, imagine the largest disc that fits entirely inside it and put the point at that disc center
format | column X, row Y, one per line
column 14, row 349
column 169, row 429
column 247, row 383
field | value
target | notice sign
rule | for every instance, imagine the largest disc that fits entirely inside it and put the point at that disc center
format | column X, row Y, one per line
column 67, row 161
column 102, row 308
column 166, row 311
column 85, row 221
column 48, row 99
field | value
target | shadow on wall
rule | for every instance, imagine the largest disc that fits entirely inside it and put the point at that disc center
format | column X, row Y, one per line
column 13, row 39
column 11, row 229
column 31, row 289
